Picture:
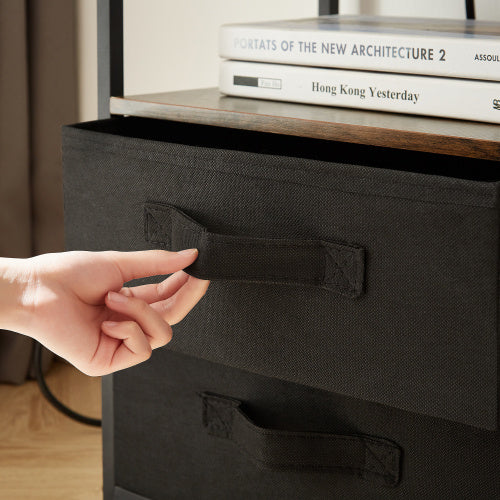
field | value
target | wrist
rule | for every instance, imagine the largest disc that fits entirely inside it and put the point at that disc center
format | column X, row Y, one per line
column 15, row 302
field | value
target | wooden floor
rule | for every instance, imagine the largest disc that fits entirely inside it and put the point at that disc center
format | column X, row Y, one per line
column 44, row 454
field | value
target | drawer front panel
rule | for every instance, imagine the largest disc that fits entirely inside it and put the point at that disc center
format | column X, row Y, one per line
column 163, row 449
column 419, row 334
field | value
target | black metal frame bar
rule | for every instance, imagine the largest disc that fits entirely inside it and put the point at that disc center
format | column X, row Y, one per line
column 470, row 10
column 109, row 53
column 326, row 7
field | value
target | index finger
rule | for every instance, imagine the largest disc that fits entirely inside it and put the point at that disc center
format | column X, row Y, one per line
column 133, row 265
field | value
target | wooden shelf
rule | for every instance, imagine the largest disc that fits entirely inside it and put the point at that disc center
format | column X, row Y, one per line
column 209, row 107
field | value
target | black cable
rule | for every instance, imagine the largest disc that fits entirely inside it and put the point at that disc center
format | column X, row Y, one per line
column 37, row 359
column 470, row 10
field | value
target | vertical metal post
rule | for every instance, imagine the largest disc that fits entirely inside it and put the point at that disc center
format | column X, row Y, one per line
column 109, row 53
column 326, row 7
column 470, row 10
column 109, row 83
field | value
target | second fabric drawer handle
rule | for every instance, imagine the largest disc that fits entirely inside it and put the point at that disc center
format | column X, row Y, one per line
column 336, row 267
column 371, row 458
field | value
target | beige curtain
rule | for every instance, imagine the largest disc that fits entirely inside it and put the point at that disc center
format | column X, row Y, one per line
column 38, row 94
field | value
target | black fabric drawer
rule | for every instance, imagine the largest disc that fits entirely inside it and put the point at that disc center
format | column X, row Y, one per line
column 423, row 334
column 356, row 272
column 163, row 450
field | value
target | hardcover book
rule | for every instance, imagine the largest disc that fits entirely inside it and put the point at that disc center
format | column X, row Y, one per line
column 445, row 47
column 411, row 94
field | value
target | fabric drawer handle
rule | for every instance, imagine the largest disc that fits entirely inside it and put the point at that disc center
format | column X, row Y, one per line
column 371, row 458
column 332, row 266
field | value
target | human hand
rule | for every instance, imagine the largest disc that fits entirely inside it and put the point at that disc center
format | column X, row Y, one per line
column 74, row 304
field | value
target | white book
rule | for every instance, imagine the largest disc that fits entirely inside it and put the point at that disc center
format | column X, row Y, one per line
column 411, row 94
column 443, row 47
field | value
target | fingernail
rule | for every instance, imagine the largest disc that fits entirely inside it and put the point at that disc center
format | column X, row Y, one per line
column 110, row 324
column 117, row 297
column 189, row 251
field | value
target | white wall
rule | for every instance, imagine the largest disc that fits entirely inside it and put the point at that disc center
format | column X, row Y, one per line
column 485, row 9
column 86, row 25
column 172, row 44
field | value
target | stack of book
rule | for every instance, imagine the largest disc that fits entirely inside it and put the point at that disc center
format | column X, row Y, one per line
column 436, row 67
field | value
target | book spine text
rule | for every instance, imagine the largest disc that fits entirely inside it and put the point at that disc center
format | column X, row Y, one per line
column 475, row 58
column 411, row 94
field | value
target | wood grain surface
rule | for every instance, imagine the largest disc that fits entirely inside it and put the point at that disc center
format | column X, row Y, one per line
column 209, row 107
column 43, row 454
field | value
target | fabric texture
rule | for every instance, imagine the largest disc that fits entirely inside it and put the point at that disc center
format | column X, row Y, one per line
column 332, row 266
column 412, row 360
column 368, row 457
column 163, row 450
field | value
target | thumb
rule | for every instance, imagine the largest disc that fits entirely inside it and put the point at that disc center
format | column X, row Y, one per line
column 144, row 263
